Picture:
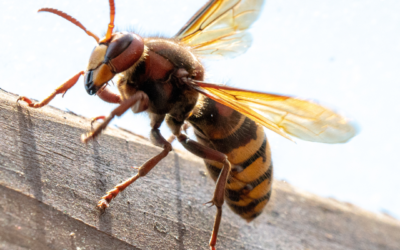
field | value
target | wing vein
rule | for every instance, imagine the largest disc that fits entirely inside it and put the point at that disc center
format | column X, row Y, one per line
column 282, row 114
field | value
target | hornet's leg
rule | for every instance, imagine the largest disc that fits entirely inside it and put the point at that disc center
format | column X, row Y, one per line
column 139, row 101
column 106, row 95
column 210, row 154
column 60, row 90
column 218, row 198
column 158, row 140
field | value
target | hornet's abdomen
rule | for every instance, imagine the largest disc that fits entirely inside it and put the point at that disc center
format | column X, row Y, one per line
column 244, row 142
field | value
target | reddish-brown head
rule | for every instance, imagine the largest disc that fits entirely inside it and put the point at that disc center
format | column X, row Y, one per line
column 115, row 53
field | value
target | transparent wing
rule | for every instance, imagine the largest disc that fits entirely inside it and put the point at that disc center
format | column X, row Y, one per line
column 218, row 29
column 284, row 115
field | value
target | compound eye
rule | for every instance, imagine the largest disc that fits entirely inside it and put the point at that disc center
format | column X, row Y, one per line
column 97, row 56
column 117, row 45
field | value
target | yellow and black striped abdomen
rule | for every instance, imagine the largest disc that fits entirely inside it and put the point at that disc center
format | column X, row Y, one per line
column 245, row 144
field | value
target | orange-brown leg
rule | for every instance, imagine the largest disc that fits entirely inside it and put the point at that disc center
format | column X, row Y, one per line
column 60, row 90
column 218, row 198
column 139, row 102
column 158, row 140
column 94, row 119
column 107, row 95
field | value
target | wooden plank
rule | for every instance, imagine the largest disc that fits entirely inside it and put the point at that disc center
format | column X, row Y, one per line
column 50, row 183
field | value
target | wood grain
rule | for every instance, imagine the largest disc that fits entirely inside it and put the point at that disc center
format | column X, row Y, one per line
column 50, row 183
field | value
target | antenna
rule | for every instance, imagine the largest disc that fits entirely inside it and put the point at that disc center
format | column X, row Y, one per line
column 111, row 24
column 73, row 20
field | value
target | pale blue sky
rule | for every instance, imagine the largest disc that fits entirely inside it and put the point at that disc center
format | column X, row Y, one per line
column 343, row 53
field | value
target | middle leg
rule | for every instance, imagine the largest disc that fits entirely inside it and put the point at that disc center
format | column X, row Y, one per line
column 158, row 140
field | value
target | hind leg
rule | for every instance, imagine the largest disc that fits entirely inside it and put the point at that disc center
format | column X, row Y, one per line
column 219, row 193
column 206, row 153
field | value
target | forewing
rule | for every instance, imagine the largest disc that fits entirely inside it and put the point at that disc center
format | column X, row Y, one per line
column 219, row 28
column 284, row 115
column 226, row 47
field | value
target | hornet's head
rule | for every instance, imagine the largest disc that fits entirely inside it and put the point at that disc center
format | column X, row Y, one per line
column 116, row 52
column 112, row 57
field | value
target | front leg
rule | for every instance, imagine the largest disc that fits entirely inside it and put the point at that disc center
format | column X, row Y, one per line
column 139, row 102
column 107, row 95
column 62, row 89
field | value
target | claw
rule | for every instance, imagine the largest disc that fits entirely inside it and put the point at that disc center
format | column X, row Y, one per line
column 210, row 202
column 28, row 101
column 103, row 204
column 102, row 117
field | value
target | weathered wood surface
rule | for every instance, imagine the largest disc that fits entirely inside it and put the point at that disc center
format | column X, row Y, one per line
column 50, row 183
